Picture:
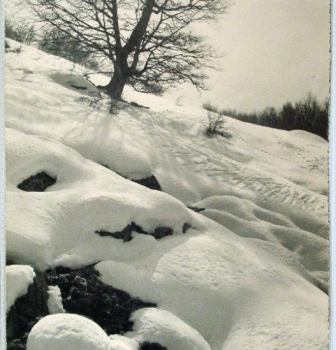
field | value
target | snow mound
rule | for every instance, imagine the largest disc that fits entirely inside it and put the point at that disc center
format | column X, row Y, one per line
column 58, row 226
column 18, row 279
column 308, row 137
column 160, row 326
column 306, row 233
column 67, row 332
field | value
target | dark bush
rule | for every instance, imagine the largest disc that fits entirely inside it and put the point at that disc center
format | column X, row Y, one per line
column 59, row 43
column 308, row 114
column 21, row 32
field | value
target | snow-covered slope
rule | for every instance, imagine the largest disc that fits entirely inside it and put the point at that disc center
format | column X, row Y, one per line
column 247, row 272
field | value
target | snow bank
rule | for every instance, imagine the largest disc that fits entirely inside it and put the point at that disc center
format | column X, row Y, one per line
column 58, row 226
column 18, row 279
column 67, row 332
column 162, row 327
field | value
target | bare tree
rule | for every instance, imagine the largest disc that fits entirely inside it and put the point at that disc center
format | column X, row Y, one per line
column 148, row 42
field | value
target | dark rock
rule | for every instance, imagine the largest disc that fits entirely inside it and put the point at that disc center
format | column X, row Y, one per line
column 138, row 105
column 16, row 344
column 26, row 309
column 37, row 183
column 107, row 306
column 197, row 210
column 78, row 87
column 152, row 346
column 161, row 232
column 186, row 227
column 126, row 233
column 150, row 182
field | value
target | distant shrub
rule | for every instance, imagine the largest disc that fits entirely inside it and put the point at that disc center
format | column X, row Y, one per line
column 61, row 44
column 210, row 107
column 21, row 32
column 215, row 125
column 308, row 114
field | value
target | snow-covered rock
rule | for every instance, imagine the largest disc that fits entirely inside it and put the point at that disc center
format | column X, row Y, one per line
column 162, row 327
column 18, row 279
column 67, row 332
column 55, row 305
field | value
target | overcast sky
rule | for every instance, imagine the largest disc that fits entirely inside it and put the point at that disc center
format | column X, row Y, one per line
column 275, row 51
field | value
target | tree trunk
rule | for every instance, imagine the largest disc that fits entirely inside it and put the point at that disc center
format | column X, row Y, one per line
column 116, row 86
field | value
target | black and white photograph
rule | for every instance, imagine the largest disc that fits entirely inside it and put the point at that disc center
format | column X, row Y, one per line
column 166, row 174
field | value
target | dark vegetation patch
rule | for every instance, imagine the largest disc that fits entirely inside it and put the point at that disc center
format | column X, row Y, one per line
column 26, row 312
column 152, row 346
column 37, row 183
column 126, row 233
column 94, row 102
column 308, row 114
column 83, row 293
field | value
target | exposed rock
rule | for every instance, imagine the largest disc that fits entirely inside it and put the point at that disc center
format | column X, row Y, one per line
column 152, row 346
column 126, row 233
column 78, row 87
column 150, row 182
column 196, row 209
column 186, row 227
column 37, row 183
column 161, row 232
column 85, row 294
column 138, row 105
column 26, row 311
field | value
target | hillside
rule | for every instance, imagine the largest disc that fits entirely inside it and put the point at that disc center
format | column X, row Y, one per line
column 230, row 253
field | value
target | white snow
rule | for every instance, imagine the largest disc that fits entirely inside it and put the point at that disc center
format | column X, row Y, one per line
column 55, row 305
column 162, row 327
column 251, row 271
column 18, row 279
column 67, row 332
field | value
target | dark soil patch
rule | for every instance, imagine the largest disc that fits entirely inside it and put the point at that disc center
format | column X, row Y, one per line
column 152, row 346
column 37, row 183
column 83, row 293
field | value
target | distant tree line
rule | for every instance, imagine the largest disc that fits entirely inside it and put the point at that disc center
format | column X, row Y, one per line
column 308, row 114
